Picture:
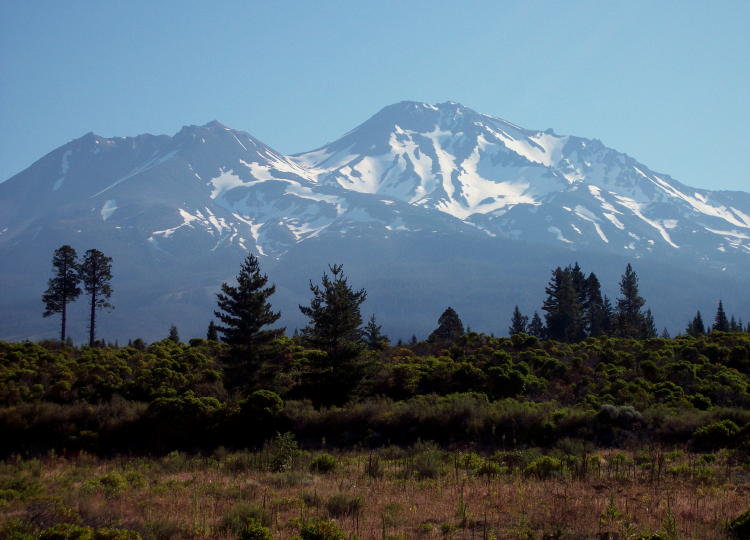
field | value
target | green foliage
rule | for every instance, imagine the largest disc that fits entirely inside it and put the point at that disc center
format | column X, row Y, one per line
column 283, row 450
column 321, row 530
column 323, row 463
column 343, row 504
column 241, row 514
column 450, row 328
column 254, row 530
column 739, row 527
column 717, row 435
column 544, row 467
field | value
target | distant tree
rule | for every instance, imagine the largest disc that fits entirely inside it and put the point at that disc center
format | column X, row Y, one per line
column 334, row 313
column 518, row 323
column 62, row 288
column 212, row 334
column 536, row 326
column 696, row 326
column 173, row 334
column 244, row 311
column 564, row 318
column 649, row 328
column 733, row 325
column 374, row 336
column 629, row 319
column 450, row 328
column 96, row 273
column 597, row 317
column 665, row 334
column 413, row 340
column 721, row 323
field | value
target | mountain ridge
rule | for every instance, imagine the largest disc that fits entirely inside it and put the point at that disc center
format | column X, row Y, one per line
column 197, row 201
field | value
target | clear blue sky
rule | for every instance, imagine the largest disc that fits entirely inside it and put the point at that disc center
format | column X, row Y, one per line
column 667, row 82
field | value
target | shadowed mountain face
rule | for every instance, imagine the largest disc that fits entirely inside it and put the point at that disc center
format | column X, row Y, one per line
column 426, row 205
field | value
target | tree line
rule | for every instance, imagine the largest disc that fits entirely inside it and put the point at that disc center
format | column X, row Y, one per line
column 576, row 309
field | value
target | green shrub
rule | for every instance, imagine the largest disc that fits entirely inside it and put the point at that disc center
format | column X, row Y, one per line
column 254, row 530
column 67, row 531
column 283, row 451
column 717, row 435
column 489, row 469
column 116, row 534
column 239, row 515
column 341, row 504
column 739, row 527
column 544, row 467
column 321, row 530
column 324, row 463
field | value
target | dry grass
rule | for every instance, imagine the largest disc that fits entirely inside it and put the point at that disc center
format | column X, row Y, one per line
column 181, row 497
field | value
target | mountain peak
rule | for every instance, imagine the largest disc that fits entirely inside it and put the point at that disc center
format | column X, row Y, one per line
column 215, row 124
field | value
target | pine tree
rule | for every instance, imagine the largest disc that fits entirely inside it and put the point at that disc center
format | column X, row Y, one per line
column 629, row 320
column 733, row 326
column 665, row 334
column 334, row 313
column 173, row 334
column 536, row 326
column 63, row 287
column 244, row 311
column 721, row 324
column 649, row 328
column 696, row 326
column 374, row 336
column 212, row 334
column 518, row 323
column 96, row 272
column 596, row 314
column 564, row 316
column 450, row 328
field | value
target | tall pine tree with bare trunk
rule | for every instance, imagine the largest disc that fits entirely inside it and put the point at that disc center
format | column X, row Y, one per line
column 63, row 287
column 96, row 273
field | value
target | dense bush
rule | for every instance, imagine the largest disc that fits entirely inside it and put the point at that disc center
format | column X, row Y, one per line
column 494, row 392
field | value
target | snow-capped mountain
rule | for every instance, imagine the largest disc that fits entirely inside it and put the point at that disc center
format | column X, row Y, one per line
column 532, row 185
column 411, row 198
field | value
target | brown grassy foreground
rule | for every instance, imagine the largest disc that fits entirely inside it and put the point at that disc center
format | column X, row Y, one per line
column 421, row 493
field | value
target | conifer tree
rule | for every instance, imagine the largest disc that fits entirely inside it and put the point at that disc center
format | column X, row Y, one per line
column 334, row 313
column 518, row 323
column 212, row 334
column 696, row 326
column 665, row 334
column 536, row 326
column 96, row 272
column 733, row 326
column 63, row 286
column 244, row 311
column 564, row 316
column 629, row 320
column 721, row 324
column 649, row 328
column 597, row 317
column 173, row 334
column 374, row 336
column 450, row 328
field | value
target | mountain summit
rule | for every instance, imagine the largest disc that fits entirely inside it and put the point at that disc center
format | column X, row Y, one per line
column 414, row 186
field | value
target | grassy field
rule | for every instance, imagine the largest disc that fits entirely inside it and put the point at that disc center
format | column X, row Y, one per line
column 423, row 492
